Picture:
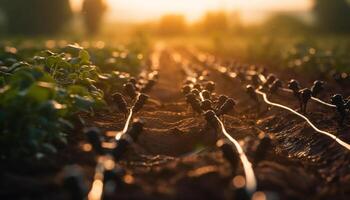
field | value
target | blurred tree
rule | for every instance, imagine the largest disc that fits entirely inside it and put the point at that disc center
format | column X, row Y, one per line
column 333, row 15
column 35, row 17
column 281, row 23
column 93, row 11
column 172, row 25
column 215, row 22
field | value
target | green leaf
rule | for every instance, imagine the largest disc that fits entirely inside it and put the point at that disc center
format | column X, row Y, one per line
column 64, row 64
column 77, row 89
column 52, row 61
column 40, row 92
column 83, row 103
column 84, row 56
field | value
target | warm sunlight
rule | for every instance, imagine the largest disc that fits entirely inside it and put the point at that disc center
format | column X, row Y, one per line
column 175, row 99
column 140, row 10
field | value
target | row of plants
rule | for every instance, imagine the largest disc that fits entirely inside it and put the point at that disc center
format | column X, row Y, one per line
column 265, row 85
column 200, row 95
column 327, row 56
column 43, row 93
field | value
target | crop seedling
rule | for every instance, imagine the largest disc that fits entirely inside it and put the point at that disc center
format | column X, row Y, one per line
column 305, row 95
column 194, row 102
column 277, row 84
column 120, row 102
column 190, row 97
column 186, row 89
column 295, row 87
column 206, row 94
column 206, row 105
column 210, row 86
column 262, row 149
column 221, row 100
column 269, row 80
column 252, row 94
column 130, row 90
column 229, row 154
column 140, row 102
column 195, row 91
column 197, row 86
column 341, row 105
column 317, row 87
column 226, row 107
column 126, row 139
column 211, row 119
column 255, row 79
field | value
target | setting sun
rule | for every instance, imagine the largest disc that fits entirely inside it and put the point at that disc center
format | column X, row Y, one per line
column 139, row 10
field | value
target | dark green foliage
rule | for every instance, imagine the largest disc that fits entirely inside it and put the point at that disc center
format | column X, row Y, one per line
column 333, row 16
column 36, row 17
column 37, row 99
column 31, row 118
column 41, row 92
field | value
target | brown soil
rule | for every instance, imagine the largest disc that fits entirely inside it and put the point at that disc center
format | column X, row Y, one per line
column 176, row 157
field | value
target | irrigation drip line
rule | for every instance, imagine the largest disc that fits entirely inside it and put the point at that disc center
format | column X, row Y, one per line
column 224, row 70
column 323, row 103
column 336, row 139
column 106, row 162
column 251, row 183
column 312, row 98
column 96, row 191
column 201, row 96
column 263, row 79
column 127, row 123
column 247, row 166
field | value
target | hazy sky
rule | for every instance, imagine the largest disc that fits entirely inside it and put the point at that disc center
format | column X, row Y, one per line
column 139, row 10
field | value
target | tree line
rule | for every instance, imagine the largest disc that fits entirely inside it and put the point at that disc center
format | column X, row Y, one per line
column 42, row 17
column 47, row 17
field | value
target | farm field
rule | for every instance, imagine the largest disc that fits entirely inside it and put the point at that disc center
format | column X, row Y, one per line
column 176, row 123
column 174, row 100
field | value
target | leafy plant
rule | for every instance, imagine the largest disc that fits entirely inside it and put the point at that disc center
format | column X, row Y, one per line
column 41, row 92
column 31, row 118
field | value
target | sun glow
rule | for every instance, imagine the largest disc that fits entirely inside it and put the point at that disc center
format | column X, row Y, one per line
column 141, row 10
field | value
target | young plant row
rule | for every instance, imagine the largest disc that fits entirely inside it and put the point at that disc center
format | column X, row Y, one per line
column 44, row 93
column 106, row 171
column 199, row 93
column 261, row 85
column 273, row 85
